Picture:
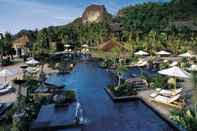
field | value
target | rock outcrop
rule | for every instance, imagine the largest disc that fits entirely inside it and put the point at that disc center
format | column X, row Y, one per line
column 94, row 13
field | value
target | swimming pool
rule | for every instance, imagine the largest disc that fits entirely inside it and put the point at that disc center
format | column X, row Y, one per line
column 101, row 113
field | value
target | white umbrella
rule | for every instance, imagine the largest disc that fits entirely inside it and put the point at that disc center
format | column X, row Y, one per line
column 193, row 68
column 175, row 72
column 189, row 55
column 141, row 53
column 67, row 46
column 163, row 53
column 174, row 63
column 32, row 62
column 6, row 73
column 85, row 45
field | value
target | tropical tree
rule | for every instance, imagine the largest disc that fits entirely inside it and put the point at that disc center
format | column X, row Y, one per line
column 194, row 80
column 41, row 49
column 120, row 71
column 1, row 47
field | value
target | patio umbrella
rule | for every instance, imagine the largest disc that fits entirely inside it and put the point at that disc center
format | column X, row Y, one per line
column 6, row 73
column 163, row 53
column 175, row 72
column 174, row 63
column 189, row 55
column 67, row 46
column 85, row 45
column 142, row 53
column 32, row 62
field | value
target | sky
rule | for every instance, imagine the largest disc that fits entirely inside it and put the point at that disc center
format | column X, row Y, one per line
column 16, row 15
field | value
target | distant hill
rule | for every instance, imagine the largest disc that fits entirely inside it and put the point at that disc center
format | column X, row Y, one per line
column 96, row 25
column 157, row 16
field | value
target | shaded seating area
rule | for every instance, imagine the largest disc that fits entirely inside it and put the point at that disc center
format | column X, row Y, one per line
column 169, row 97
column 173, row 101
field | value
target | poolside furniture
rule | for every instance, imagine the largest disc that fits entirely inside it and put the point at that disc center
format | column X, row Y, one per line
column 187, row 55
column 5, row 90
column 174, row 101
column 174, row 63
column 141, row 53
column 141, row 63
column 6, row 73
column 137, row 83
column 172, row 92
column 85, row 46
column 2, row 86
column 163, row 53
column 4, row 107
column 32, row 62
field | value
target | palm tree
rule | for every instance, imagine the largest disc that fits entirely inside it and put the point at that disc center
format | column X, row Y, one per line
column 151, row 41
column 120, row 71
column 41, row 49
column 1, row 47
column 194, row 80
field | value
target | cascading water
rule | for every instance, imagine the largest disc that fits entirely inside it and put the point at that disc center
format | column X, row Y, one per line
column 79, row 115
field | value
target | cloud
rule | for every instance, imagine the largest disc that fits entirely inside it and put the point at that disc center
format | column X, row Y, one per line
column 20, row 14
column 31, row 14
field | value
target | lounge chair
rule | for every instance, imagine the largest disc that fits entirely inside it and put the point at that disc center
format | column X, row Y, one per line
column 2, row 86
column 170, row 92
column 174, row 101
column 5, row 90
column 174, row 63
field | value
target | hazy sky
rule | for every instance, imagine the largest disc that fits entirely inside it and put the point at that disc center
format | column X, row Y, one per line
column 31, row 14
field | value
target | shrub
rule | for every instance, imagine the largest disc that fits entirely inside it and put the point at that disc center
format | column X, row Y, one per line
column 187, row 118
column 123, row 90
column 158, row 81
column 64, row 98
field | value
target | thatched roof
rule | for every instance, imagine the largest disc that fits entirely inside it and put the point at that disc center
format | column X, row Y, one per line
column 109, row 45
column 21, row 42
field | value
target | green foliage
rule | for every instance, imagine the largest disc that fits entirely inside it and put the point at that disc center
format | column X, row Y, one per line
column 70, row 95
column 187, row 118
column 158, row 81
column 123, row 90
column 63, row 98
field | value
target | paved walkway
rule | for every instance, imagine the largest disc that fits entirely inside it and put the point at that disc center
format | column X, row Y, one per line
column 164, row 109
column 16, row 68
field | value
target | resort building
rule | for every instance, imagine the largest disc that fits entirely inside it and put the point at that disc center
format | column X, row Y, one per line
column 21, row 45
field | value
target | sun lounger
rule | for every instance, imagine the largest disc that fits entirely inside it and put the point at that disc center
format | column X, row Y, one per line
column 174, row 101
column 170, row 92
column 5, row 90
column 174, row 63
column 141, row 63
column 3, row 86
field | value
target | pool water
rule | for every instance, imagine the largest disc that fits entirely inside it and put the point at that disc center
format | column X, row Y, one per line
column 100, row 112
column 139, row 71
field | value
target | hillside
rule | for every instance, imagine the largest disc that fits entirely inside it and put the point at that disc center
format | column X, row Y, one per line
column 157, row 16
column 95, row 25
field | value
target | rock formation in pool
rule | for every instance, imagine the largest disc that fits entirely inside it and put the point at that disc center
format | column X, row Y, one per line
column 94, row 13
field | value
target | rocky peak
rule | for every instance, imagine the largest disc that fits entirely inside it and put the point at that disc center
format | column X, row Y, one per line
column 94, row 13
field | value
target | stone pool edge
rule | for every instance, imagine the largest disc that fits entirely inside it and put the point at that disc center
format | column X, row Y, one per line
column 135, row 97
